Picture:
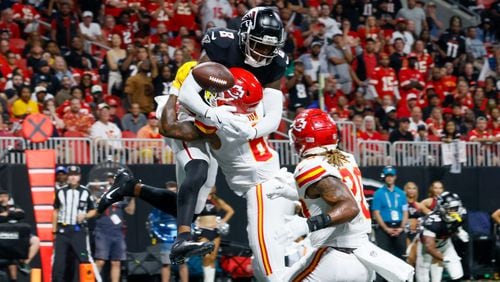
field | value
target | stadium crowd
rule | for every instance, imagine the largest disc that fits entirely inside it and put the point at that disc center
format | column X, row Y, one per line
column 94, row 67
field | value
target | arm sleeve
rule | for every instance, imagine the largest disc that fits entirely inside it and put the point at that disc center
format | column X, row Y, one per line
column 273, row 108
column 189, row 98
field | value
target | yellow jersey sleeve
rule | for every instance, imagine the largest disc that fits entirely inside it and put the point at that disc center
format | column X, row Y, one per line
column 180, row 76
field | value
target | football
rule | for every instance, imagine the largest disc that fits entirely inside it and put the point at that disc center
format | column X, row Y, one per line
column 213, row 76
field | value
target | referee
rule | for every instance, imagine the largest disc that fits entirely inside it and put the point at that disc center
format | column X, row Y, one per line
column 73, row 205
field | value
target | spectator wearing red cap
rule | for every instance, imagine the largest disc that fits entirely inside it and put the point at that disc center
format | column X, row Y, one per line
column 410, row 78
column 151, row 130
column 114, row 110
column 76, row 120
column 384, row 81
column 402, row 32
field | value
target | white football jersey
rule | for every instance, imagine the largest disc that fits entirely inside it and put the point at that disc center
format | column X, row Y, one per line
column 351, row 234
column 244, row 163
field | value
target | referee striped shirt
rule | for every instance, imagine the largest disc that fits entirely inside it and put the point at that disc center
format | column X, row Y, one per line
column 72, row 201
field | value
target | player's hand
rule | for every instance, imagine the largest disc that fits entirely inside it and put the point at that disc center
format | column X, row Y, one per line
column 243, row 129
column 161, row 101
column 221, row 115
column 285, row 186
column 463, row 235
column 294, row 227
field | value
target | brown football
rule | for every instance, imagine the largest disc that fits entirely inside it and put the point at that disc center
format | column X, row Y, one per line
column 213, row 76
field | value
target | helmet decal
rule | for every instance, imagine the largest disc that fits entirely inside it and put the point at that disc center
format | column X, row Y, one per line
column 299, row 124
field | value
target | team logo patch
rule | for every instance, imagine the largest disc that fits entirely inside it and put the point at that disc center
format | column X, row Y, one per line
column 299, row 124
column 210, row 98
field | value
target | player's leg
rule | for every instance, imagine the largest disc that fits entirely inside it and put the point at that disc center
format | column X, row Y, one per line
column 423, row 264
column 264, row 217
column 453, row 264
column 205, row 190
column 327, row 264
column 195, row 160
column 127, row 186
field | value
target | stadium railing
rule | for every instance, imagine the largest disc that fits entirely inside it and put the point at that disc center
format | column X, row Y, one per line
column 157, row 151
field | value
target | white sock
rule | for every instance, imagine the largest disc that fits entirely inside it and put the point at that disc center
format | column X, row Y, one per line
column 208, row 274
column 436, row 272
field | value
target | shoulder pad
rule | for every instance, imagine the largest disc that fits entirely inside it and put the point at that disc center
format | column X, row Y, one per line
column 312, row 170
column 216, row 38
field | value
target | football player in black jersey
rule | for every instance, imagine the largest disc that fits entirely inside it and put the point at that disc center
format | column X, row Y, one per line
column 256, row 47
column 438, row 228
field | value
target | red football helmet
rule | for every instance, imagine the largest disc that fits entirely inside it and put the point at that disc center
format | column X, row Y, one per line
column 313, row 128
column 246, row 93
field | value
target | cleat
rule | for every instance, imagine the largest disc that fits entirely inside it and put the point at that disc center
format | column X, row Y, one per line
column 184, row 249
column 123, row 186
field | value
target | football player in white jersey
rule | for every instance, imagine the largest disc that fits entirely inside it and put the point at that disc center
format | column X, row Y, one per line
column 338, row 218
column 251, row 169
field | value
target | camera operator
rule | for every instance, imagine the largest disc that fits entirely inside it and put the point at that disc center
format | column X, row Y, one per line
column 9, row 212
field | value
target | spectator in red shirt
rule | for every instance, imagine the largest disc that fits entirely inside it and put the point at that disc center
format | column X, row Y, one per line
column 64, row 26
column 366, row 62
column 65, row 106
column 480, row 133
column 185, row 13
column 25, row 15
column 410, row 78
column 369, row 130
column 384, row 81
column 77, row 120
column 331, row 93
column 463, row 96
column 8, row 23
column 425, row 61
column 435, row 122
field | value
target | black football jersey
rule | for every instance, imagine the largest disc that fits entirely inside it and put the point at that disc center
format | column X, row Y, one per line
column 441, row 229
column 222, row 46
column 452, row 44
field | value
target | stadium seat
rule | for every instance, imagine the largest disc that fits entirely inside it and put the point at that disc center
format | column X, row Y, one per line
column 128, row 134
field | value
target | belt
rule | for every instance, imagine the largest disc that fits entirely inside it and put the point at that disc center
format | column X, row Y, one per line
column 393, row 224
column 345, row 250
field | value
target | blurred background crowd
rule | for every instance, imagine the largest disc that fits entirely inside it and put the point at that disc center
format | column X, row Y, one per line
column 95, row 66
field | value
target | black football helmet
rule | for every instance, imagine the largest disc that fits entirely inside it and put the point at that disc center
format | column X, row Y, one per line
column 450, row 207
column 261, row 35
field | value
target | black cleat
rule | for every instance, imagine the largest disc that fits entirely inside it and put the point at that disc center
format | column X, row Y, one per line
column 183, row 249
column 123, row 186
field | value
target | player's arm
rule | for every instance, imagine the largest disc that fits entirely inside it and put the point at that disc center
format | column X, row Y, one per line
column 273, row 110
column 336, row 194
column 171, row 127
column 430, row 246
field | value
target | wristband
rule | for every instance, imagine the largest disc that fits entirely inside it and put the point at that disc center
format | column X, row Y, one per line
column 318, row 222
